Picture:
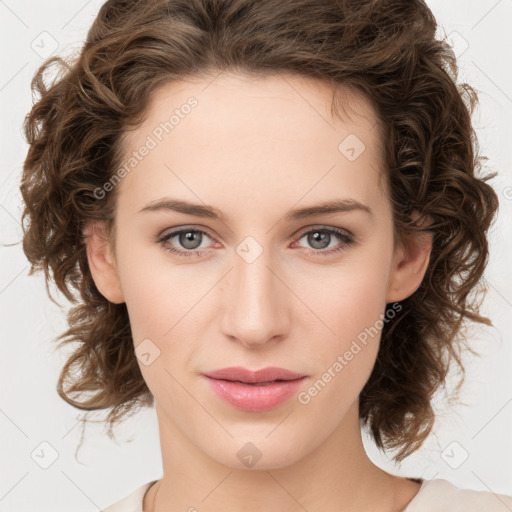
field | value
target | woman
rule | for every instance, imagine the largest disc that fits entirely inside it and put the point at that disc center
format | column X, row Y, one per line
column 272, row 214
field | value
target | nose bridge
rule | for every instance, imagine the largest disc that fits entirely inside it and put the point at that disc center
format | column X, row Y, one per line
column 256, row 311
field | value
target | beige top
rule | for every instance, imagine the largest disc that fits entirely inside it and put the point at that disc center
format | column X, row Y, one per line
column 436, row 495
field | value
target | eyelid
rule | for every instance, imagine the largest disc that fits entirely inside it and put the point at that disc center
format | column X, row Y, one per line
column 177, row 229
column 302, row 231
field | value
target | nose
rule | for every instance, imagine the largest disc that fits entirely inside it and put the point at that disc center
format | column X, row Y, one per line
column 256, row 310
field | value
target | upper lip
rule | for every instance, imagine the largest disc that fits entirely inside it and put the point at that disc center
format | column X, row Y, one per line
column 267, row 374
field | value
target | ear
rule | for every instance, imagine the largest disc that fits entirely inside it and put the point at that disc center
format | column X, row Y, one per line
column 101, row 262
column 410, row 262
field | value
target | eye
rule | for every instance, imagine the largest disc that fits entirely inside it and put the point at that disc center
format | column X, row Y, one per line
column 319, row 238
column 188, row 238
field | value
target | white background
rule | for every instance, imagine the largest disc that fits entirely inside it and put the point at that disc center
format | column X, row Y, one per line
column 31, row 412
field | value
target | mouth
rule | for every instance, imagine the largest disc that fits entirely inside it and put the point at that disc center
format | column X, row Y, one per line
column 257, row 383
column 254, row 391
column 263, row 376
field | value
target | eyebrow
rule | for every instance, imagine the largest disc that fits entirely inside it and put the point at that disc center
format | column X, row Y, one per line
column 325, row 208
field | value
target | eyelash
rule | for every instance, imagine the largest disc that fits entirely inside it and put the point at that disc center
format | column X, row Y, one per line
column 345, row 238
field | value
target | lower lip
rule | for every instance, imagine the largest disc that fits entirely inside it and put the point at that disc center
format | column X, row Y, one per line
column 249, row 397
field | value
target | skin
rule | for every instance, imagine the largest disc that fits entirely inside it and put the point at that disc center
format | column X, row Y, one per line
column 254, row 149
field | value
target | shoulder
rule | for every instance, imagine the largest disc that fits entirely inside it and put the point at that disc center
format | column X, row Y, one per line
column 132, row 502
column 439, row 495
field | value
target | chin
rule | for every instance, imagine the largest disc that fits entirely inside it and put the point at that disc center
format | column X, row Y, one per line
column 258, row 453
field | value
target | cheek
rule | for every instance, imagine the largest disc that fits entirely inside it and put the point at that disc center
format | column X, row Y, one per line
column 350, row 297
column 351, row 305
column 154, row 288
column 157, row 309
column 353, row 310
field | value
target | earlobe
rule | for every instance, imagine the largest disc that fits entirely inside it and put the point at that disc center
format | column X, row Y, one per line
column 101, row 264
column 410, row 263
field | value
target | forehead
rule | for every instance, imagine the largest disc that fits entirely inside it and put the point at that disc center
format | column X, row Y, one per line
column 242, row 135
column 234, row 102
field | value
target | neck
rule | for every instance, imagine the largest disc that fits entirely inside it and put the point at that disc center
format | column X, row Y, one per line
column 336, row 475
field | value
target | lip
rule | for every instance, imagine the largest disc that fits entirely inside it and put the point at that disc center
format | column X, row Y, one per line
column 239, row 386
column 242, row 374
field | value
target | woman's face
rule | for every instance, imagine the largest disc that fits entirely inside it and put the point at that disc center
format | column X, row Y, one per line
column 263, row 285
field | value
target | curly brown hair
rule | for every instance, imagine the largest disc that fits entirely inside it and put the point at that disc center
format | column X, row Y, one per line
column 385, row 49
